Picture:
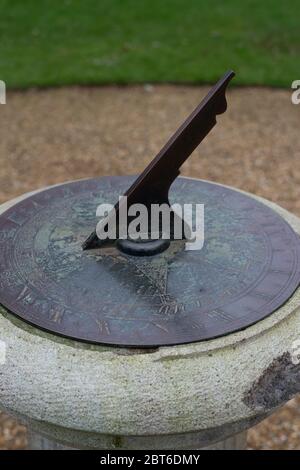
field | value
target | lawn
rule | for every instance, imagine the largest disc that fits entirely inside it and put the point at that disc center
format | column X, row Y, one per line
column 55, row 42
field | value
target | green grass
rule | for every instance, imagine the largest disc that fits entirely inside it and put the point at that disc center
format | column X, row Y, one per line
column 56, row 42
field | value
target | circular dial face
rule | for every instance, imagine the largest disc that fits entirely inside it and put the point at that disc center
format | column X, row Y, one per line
column 247, row 268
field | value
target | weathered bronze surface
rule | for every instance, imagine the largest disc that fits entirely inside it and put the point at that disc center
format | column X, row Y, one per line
column 248, row 267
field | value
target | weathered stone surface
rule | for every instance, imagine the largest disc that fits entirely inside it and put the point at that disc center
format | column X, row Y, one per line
column 172, row 397
column 277, row 384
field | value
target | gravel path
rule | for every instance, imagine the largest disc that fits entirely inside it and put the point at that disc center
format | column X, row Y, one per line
column 50, row 136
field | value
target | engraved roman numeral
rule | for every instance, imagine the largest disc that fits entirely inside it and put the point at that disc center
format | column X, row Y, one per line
column 279, row 271
column 24, row 294
column 14, row 218
column 220, row 314
column 160, row 327
column 103, row 326
column 56, row 314
column 261, row 294
column 195, row 325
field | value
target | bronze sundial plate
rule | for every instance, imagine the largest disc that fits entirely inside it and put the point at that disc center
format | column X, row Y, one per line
column 248, row 268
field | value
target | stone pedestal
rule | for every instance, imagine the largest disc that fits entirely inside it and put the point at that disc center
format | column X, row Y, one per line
column 38, row 442
column 180, row 397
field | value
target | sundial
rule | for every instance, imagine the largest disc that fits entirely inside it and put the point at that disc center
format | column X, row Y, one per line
column 57, row 275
